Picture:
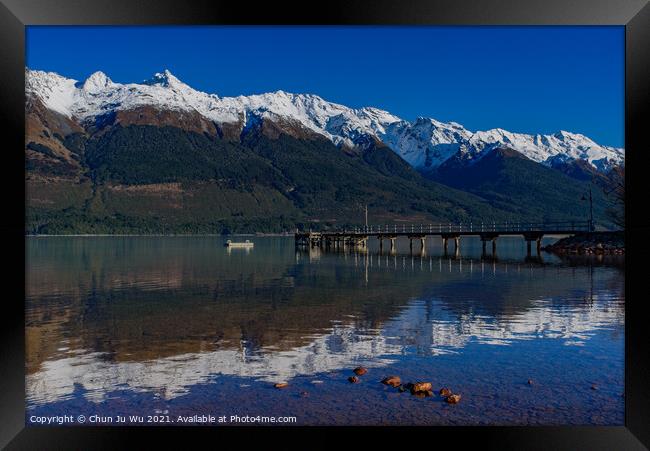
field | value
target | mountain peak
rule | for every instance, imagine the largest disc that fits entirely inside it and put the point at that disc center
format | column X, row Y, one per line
column 563, row 134
column 96, row 82
column 164, row 78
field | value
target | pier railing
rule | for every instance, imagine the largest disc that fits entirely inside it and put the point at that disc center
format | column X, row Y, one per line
column 469, row 227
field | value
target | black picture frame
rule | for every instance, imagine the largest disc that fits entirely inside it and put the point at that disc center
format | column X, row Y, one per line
column 633, row 14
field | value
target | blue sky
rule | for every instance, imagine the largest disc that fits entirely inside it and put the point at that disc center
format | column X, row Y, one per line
column 523, row 79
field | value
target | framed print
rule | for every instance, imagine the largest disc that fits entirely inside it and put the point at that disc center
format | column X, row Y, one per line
column 370, row 217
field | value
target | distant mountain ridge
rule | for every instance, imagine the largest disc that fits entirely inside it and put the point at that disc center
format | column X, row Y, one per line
column 424, row 143
column 161, row 157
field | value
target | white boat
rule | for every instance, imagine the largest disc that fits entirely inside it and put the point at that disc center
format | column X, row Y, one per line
column 246, row 243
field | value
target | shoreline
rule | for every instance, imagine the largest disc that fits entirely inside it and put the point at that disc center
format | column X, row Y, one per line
column 153, row 235
column 599, row 243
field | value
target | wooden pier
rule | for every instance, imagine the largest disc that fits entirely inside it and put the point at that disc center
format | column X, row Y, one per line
column 487, row 232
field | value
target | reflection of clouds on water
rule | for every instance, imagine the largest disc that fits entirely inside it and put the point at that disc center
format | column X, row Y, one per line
column 427, row 328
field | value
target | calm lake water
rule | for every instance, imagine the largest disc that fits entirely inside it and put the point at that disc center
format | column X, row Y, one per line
column 174, row 326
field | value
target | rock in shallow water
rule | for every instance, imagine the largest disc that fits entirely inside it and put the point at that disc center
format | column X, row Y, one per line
column 421, row 386
column 353, row 379
column 453, row 399
column 444, row 392
column 393, row 381
column 360, row 371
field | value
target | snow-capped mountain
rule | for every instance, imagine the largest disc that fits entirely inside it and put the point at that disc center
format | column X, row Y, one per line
column 562, row 145
column 424, row 143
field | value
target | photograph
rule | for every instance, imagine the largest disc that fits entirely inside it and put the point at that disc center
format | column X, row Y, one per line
column 324, row 225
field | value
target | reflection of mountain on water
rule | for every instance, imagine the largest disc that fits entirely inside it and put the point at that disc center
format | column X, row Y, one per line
column 436, row 328
column 423, row 327
column 164, row 315
column 342, row 347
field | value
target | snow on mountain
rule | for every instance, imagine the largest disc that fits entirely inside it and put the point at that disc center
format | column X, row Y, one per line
column 99, row 95
column 97, row 82
column 424, row 143
column 56, row 92
column 546, row 148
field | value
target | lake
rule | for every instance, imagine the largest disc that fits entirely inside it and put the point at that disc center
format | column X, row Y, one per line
column 163, row 327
